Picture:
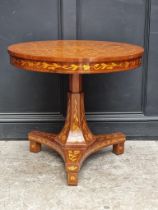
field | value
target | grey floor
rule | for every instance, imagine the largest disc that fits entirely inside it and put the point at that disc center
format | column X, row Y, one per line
column 38, row 181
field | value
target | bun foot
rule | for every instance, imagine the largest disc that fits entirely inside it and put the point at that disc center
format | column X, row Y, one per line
column 118, row 149
column 72, row 178
column 35, row 147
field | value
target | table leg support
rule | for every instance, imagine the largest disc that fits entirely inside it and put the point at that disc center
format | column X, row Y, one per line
column 76, row 142
column 35, row 147
column 118, row 149
column 72, row 178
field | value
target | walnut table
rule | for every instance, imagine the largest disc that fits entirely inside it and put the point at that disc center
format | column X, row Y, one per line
column 75, row 142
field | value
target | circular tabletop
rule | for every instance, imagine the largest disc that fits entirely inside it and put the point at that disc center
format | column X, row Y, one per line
column 75, row 56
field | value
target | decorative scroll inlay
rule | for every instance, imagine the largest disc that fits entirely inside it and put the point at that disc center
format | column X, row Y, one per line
column 75, row 125
column 72, row 178
column 46, row 66
column 72, row 168
column 73, row 155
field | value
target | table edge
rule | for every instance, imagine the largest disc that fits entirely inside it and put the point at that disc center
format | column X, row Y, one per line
column 75, row 67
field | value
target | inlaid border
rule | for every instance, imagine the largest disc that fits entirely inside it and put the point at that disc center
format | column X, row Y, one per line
column 72, row 68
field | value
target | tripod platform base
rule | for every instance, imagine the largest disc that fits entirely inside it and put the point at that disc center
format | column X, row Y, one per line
column 74, row 156
column 75, row 142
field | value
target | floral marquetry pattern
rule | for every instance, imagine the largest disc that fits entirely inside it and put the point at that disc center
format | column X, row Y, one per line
column 73, row 155
column 75, row 124
column 53, row 67
column 72, row 168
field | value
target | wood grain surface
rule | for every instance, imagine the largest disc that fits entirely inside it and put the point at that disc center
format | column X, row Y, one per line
column 75, row 56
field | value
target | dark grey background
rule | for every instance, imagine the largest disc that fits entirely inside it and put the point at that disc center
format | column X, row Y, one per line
column 126, row 101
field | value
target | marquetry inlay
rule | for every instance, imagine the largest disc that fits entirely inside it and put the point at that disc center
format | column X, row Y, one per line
column 52, row 67
column 75, row 56
column 75, row 142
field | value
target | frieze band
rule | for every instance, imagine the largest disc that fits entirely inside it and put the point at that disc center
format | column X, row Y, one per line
column 47, row 66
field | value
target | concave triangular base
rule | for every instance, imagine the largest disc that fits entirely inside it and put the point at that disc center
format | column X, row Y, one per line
column 75, row 142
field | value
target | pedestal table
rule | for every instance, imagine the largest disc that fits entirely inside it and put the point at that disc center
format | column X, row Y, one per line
column 75, row 142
